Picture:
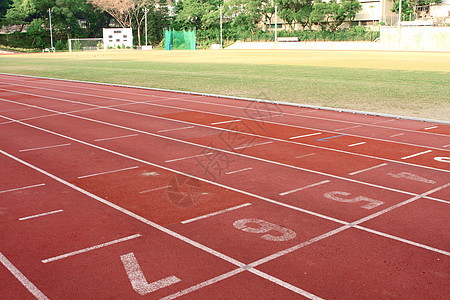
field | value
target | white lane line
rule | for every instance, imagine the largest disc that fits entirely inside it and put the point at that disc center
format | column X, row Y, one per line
column 368, row 169
column 109, row 172
column 432, row 127
column 304, row 187
column 215, row 213
column 305, row 135
column 284, row 284
column 446, row 146
column 253, row 145
column 90, row 248
column 306, row 155
column 188, row 157
column 203, row 284
column 393, row 237
column 155, row 189
column 224, row 122
column 398, row 134
column 174, row 129
column 41, row 215
column 357, row 144
column 23, row 280
column 238, row 171
column 22, row 188
column 148, row 222
column 351, row 127
column 47, row 147
column 417, row 154
column 116, row 137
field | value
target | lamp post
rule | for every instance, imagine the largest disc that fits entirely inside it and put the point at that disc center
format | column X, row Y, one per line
column 221, row 43
column 276, row 24
column 51, row 30
column 399, row 24
column 146, row 31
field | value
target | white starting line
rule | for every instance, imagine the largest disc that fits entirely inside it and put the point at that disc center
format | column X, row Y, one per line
column 417, row 154
column 175, row 129
column 41, row 215
column 90, row 248
column 215, row 213
column 304, row 187
column 116, row 137
column 368, row 169
column 109, row 172
column 22, row 188
column 357, row 144
column 46, row 147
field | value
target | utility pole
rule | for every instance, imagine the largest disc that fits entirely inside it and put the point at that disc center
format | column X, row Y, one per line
column 51, row 30
column 276, row 24
column 221, row 43
column 146, row 33
column 399, row 24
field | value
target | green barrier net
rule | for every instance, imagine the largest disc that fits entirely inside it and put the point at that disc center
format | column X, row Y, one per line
column 180, row 40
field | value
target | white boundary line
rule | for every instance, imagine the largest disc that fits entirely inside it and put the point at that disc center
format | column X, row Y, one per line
column 108, row 172
column 22, row 188
column 23, row 280
column 46, row 147
column 215, row 213
column 41, row 215
column 52, row 259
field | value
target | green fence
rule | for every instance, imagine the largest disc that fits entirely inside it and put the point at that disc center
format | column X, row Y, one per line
column 180, row 40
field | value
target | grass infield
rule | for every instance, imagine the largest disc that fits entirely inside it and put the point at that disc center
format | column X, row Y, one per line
column 400, row 83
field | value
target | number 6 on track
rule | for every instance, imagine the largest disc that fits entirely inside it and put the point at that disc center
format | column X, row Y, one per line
column 264, row 227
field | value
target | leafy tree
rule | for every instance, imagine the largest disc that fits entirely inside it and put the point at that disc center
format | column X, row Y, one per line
column 412, row 6
column 4, row 5
column 201, row 14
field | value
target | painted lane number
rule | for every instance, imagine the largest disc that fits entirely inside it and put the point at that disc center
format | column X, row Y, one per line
column 337, row 196
column 137, row 277
column 259, row 226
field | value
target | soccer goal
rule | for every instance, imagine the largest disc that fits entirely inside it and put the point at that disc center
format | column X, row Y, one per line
column 90, row 44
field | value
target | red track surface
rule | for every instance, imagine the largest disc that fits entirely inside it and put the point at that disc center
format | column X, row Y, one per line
column 112, row 192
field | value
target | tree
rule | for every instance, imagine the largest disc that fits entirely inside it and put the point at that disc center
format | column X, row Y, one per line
column 247, row 13
column 330, row 15
column 201, row 14
column 4, row 6
column 126, row 12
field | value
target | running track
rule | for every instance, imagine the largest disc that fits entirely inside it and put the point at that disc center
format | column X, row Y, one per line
column 111, row 192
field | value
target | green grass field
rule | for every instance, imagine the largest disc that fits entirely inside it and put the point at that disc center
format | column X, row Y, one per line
column 406, row 84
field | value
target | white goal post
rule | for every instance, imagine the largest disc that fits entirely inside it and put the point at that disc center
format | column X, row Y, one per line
column 88, row 44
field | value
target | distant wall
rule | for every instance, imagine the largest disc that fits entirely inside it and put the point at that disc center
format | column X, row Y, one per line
column 417, row 38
